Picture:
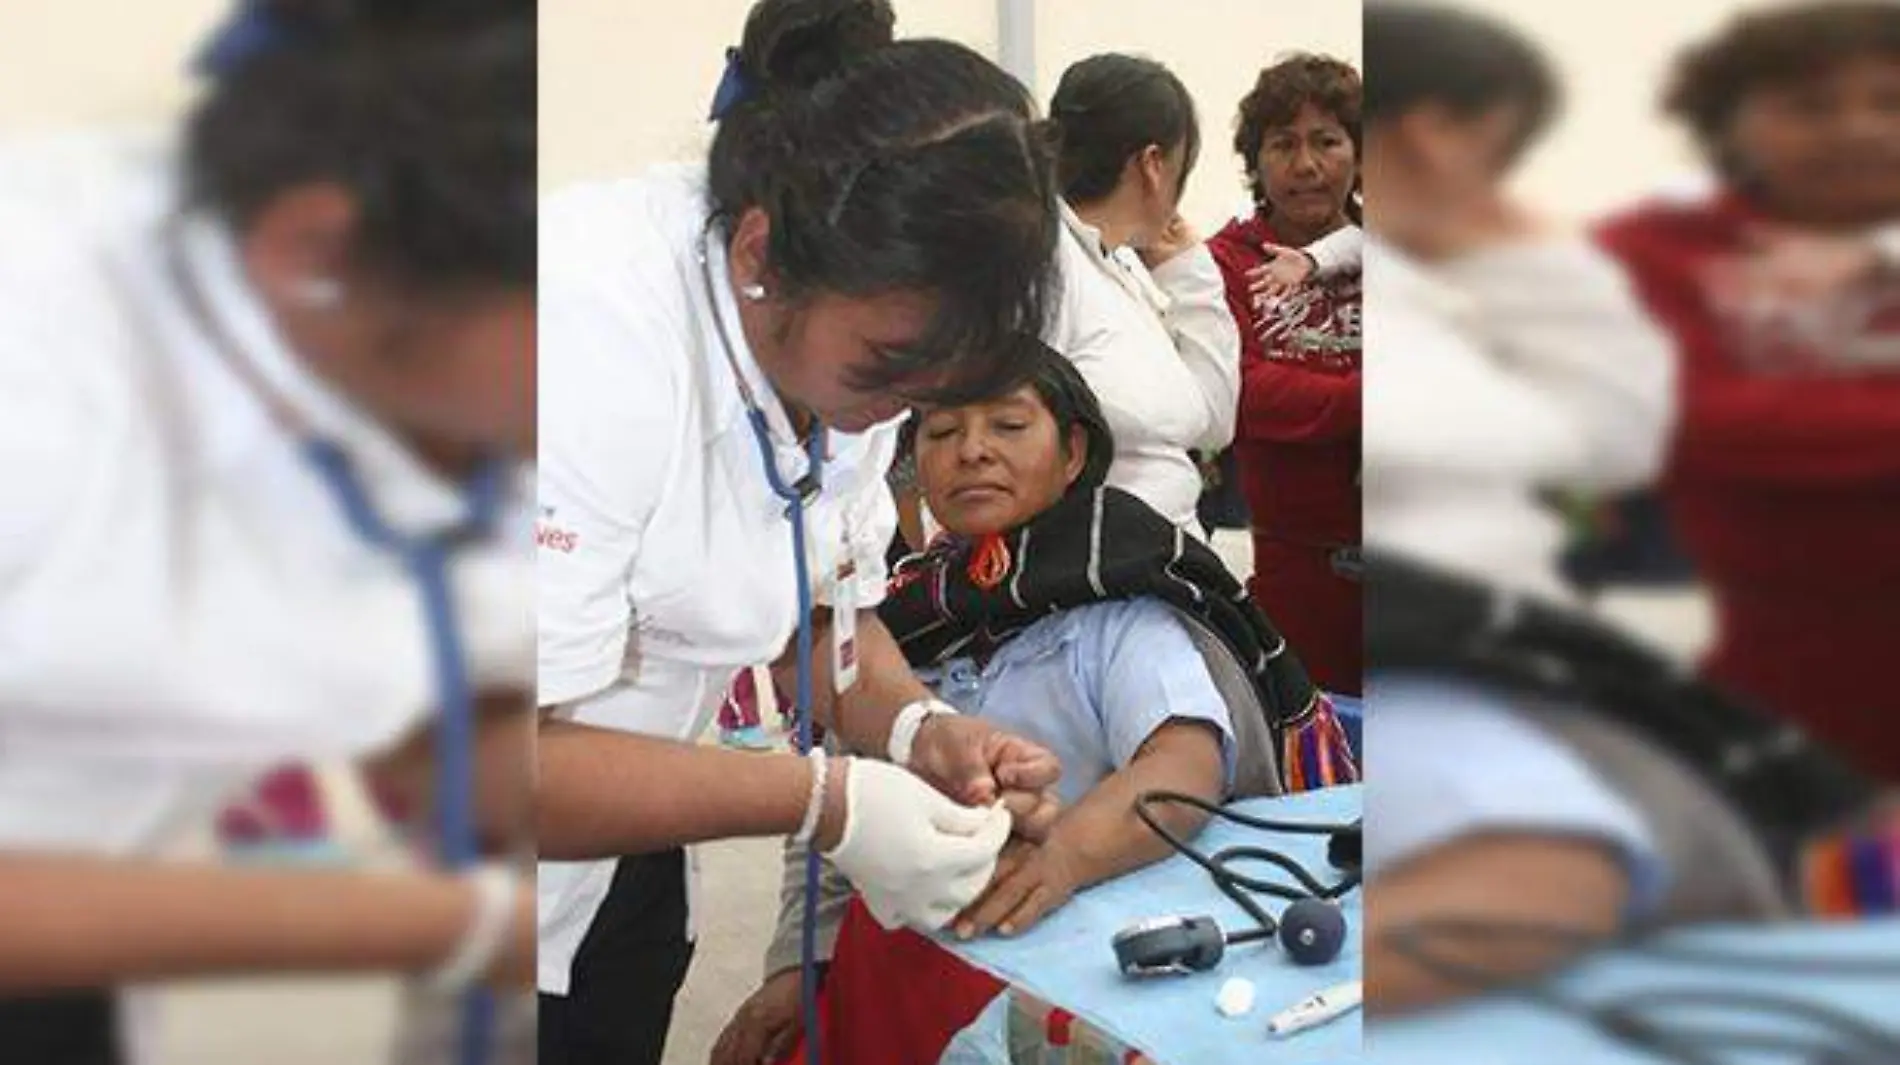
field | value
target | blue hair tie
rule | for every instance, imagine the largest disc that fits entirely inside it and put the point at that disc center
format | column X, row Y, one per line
column 735, row 87
column 254, row 29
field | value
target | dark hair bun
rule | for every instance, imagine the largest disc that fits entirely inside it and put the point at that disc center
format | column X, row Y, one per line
column 792, row 46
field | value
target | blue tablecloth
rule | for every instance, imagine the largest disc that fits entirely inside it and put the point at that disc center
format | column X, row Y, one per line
column 1068, row 961
column 1506, row 1032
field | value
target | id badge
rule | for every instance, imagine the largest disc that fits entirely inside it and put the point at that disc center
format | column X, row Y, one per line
column 844, row 621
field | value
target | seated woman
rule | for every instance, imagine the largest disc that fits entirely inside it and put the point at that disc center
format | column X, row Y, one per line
column 1091, row 624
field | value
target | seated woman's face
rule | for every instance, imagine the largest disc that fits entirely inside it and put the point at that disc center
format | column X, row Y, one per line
column 988, row 467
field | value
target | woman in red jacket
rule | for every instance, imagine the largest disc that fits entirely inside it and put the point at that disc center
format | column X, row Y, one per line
column 1782, row 288
column 1297, row 440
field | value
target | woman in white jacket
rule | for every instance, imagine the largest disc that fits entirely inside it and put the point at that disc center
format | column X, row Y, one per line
column 1143, row 312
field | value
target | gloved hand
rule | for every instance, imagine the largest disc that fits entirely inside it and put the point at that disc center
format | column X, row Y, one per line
column 917, row 858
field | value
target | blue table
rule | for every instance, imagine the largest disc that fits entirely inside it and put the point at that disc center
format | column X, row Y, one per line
column 1067, row 960
column 1506, row 1032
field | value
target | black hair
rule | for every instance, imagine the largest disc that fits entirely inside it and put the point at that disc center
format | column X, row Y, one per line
column 1106, row 109
column 1275, row 101
column 424, row 112
column 886, row 166
column 1425, row 54
column 1071, row 402
column 1772, row 47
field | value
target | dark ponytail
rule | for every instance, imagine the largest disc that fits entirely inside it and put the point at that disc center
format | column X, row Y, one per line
column 1106, row 109
column 422, row 110
column 908, row 166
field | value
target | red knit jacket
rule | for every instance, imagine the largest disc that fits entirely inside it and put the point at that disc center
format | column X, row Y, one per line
column 1297, row 439
column 1784, row 479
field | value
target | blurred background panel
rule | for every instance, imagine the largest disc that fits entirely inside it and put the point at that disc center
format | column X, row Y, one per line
column 82, row 68
column 1761, row 267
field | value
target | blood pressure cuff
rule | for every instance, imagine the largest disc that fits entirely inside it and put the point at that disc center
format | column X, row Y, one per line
column 1821, row 822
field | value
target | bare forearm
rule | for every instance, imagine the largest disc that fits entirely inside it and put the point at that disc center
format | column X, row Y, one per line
column 1553, row 882
column 1103, row 835
column 863, row 718
column 77, row 922
column 504, row 768
column 603, row 793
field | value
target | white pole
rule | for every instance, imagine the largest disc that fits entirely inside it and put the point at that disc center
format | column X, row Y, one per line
column 1016, row 40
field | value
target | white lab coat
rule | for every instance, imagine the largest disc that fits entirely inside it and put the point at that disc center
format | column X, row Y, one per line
column 1162, row 354
column 666, row 561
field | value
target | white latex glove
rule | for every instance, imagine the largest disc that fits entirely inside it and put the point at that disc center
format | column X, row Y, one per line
column 916, row 857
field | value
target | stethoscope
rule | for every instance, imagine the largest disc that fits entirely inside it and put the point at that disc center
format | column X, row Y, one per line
column 425, row 559
column 796, row 496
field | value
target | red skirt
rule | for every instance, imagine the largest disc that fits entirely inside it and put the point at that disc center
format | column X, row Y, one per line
column 893, row 998
column 1318, row 610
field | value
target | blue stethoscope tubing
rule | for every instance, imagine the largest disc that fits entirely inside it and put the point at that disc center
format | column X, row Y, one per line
column 795, row 499
column 795, row 496
column 426, row 561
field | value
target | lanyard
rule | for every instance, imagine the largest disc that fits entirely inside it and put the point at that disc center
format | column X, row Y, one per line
column 796, row 496
column 425, row 559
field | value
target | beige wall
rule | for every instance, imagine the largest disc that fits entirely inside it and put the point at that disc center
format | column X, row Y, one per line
column 620, row 89
column 82, row 61
column 625, row 83
column 1613, row 144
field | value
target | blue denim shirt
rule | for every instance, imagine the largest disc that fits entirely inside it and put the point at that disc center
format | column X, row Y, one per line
column 1091, row 685
column 1456, row 760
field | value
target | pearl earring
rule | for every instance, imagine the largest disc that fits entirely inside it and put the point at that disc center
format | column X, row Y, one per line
column 318, row 293
column 753, row 292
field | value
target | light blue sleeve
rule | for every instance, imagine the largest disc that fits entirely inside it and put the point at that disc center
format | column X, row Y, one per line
column 1455, row 760
column 1143, row 671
